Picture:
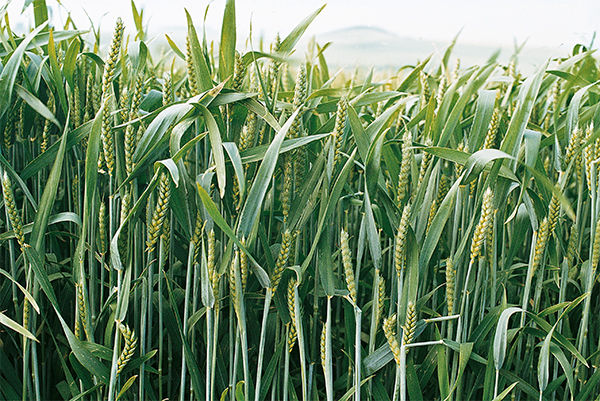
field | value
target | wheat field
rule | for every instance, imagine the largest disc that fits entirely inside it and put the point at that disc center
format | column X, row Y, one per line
column 217, row 223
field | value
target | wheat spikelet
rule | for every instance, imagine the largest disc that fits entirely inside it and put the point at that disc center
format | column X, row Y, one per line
column 89, row 98
column 123, row 104
column 191, row 70
column 380, row 299
column 410, row 324
column 450, row 285
column 573, row 146
column 462, row 147
column 424, row 95
column 107, row 156
column 130, row 134
column 490, row 137
column 213, row 274
column 400, row 240
column 47, row 126
column 571, row 252
column 441, row 90
column 287, row 188
column 435, row 204
column 291, row 303
column 456, row 71
column 432, row 211
column 553, row 213
column 389, row 329
column 540, row 243
column 282, row 258
column 20, row 121
column 274, row 67
column 167, row 90
column 106, row 135
column 347, row 263
column 197, row 236
column 338, row 130
column 483, row 225
column 165, row 239
column 233, row 290
column 238, row 73
column 399, row 119
column 404, row 168
column 552, row 102
column 235, row 192
column 111, row 62
column 128, row 347
column 323, row 347
column 489, row 240
column 26, row 315
column 76, row 100
column 596, row 247
column 243, row 267
column 425, row 162
column 12, row 211
column 211, row 266
column 160, row 211
column 590, row 153
column 82, row 309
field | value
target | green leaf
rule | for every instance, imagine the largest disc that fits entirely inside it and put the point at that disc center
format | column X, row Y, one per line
column 46, row 204
column 126, row 386
column 228, row 38
column 174, row 47
column 506, row 391
column 478, row 160
column 212, row 210
column 251, row 210
column 500, row 337
column 11, row 69
column 217, row 148
column 201, row 67
column 11, row 324
column 437, row 225
column 85, row 357
column 332, row 201
column 287, row 45
column 372, row 233
column 36, row 104
column 236, row 161
column 520, row 117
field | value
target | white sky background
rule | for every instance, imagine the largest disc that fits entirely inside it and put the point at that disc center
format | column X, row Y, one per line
column 548, row 23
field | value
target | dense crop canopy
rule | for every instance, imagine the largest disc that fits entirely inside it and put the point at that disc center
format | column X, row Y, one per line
column 212, row 223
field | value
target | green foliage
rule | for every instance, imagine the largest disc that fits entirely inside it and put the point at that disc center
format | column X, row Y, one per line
column 436, row 228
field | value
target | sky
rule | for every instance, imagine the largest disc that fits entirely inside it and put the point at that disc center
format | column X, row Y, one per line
column 542, row 23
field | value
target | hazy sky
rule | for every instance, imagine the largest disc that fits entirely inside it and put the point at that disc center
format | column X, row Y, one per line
column 552, row 23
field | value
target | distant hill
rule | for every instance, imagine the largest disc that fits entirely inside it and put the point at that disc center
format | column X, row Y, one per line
column 366, row 46
column 370, row 46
